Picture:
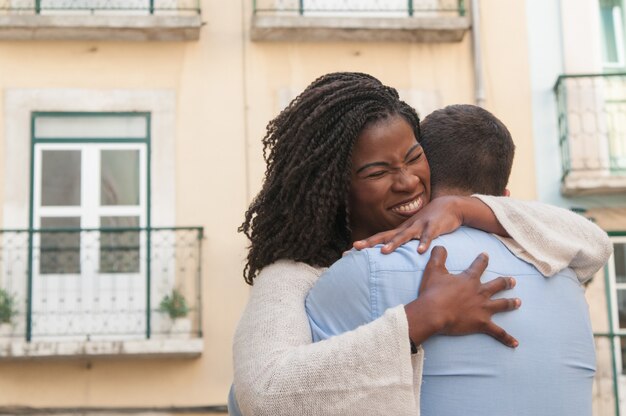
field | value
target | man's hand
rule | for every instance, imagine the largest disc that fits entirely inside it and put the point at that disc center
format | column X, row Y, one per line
column 459, row 304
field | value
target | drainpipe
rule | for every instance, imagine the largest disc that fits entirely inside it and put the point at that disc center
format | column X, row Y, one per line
column 479, row 82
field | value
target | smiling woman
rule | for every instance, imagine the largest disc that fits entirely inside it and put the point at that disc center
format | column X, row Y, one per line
column 343, row 162
column 390, row 178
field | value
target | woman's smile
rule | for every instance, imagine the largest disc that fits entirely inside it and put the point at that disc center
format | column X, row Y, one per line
column 410, row 208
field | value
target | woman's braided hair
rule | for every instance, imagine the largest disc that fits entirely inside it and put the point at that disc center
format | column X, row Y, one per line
column 302, row 212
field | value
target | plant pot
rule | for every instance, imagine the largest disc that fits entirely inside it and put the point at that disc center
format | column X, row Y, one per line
column 181, row 328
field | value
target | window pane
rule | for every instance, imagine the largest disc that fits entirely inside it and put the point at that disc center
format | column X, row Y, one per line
column 621, row 307
column 621, row 311
column 619, row 250
column 622, row 341
column 616, row 129
column 119, row 251
column 60, row 251
column 60, row 177
column 49, row 127
column 608, row 26
column 119, row 177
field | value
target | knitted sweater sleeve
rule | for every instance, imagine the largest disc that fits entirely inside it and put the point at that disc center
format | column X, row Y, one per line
column 551, row 238
column 278, row 371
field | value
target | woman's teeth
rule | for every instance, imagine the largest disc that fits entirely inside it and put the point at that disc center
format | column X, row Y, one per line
column 408, row 207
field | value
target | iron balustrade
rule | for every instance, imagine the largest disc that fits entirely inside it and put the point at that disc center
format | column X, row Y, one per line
column 592, row 123
column 100, row 6
column 100, row 284
column 378, row 8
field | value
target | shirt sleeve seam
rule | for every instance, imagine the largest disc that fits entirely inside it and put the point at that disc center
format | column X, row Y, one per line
column 373, row 289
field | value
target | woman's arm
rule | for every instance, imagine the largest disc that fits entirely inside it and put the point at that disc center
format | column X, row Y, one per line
column 369, row 370
column 440, row 216
column 279, row 372
column 549, row 237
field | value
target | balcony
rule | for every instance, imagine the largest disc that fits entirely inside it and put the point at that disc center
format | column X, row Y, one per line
column 359, row 20
column 129, row 20
column 100, row 292
column 592, row 132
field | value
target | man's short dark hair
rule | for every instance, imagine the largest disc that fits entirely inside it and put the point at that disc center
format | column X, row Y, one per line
column 468, row 150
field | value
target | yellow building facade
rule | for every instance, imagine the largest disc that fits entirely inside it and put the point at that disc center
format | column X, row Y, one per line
column 165, row 104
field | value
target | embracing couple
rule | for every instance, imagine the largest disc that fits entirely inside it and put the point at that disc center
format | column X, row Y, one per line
column 348, row 165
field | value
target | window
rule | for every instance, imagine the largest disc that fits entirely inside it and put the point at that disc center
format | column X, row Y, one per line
column 611, row 15
column 89, row 199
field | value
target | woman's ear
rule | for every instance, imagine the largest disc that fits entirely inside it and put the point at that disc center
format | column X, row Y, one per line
column 506, row 192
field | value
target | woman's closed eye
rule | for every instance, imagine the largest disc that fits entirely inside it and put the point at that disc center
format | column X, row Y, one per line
column 416, row 158
column 377, row 174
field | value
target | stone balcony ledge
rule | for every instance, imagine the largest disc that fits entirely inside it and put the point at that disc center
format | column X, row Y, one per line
column 361, row 29
column 164, row 347
column 592, row 183
column 100, row 27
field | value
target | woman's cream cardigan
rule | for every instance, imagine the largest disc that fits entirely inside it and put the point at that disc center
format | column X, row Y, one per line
column 370, row 370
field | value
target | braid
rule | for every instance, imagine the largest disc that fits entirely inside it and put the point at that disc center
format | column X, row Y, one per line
column 302, row 210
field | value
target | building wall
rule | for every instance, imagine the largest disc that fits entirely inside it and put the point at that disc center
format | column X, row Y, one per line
column 227, row 88
column 506, row 70
column 210, row 190
column 565, row 38
column 444, row 70
column 557, row 45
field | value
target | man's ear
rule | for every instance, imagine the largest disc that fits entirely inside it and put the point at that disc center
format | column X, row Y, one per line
column 506, row 192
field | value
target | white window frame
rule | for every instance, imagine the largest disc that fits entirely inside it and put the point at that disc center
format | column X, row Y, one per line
column 20, row 103
column 63, row 289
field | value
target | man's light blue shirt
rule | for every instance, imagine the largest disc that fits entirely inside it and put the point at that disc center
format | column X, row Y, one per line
column 550, row 373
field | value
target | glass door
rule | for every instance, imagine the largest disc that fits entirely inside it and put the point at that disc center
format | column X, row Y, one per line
column 89, row 206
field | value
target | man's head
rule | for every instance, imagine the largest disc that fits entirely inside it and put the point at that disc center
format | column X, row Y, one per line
column 469, row 151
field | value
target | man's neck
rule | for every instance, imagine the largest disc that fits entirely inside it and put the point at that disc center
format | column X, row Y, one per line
column 444, row 191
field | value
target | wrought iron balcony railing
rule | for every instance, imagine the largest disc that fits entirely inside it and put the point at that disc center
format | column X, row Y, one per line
column 124, row 7
column 100, row 284
column 592, row 130
column 378, row 8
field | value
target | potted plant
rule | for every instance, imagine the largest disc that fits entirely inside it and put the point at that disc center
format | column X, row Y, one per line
column 8, row 310
column 175, row 306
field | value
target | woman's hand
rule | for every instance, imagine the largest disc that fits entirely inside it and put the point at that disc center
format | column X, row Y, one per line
column 458, row 304
column 442, row 215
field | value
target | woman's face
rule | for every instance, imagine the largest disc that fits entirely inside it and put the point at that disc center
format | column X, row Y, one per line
column 390, row 177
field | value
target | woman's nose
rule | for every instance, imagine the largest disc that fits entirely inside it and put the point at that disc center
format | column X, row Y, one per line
column 405, row 181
